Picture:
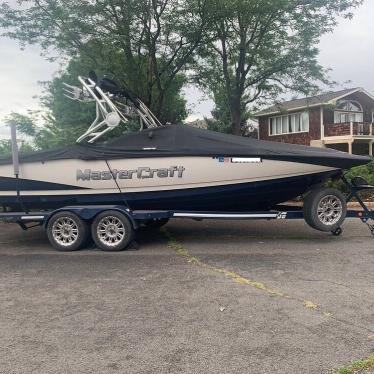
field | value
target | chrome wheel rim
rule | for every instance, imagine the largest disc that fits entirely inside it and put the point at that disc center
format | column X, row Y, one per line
column 111, row 231
column 65, row 231
column 330, row 210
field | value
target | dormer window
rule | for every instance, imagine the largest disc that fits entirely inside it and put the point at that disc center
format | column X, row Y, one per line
column 348, row 111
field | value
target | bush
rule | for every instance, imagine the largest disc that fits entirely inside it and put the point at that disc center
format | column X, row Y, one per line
column 6, row 148
column 365, row 171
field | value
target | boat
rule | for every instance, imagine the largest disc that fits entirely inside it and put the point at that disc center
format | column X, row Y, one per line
column 172, row 167
column 104, row 190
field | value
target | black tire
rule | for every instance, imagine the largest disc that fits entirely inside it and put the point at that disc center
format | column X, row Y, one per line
column 155, row 224
column 118, row 234
column 67, row 232
column 334, row 203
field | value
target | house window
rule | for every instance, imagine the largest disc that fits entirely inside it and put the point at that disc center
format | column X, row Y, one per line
column 348, row 111
column 289, row 123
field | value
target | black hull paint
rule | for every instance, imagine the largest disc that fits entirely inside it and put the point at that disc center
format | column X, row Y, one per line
column 253, row 196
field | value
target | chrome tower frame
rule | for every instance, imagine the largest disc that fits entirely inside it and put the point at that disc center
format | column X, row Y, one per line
column 110, row 112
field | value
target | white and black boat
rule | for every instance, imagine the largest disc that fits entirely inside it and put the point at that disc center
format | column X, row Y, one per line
column 171, row 168
column 165, row 167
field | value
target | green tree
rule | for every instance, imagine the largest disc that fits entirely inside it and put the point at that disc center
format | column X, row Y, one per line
column 258, row 49
column 221, row 114
column 146, row 43
column 6, row 147
column 26, row 127
column 64, row 120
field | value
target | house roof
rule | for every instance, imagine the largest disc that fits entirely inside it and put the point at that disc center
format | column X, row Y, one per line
column 323, row 99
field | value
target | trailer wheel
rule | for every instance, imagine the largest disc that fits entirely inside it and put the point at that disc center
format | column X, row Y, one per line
column 325, row 209
column 67, row 232
column 156, row 223
column 112, row 231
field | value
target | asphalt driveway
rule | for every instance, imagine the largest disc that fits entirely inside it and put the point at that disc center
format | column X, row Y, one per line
column 198, row 297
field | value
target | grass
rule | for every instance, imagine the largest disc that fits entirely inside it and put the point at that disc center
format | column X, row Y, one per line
column 356, row 366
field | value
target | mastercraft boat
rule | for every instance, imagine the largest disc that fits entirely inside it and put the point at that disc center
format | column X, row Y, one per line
column 170, row 167
column 106, row 190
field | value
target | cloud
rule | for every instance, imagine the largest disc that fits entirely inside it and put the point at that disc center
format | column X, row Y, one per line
column 20, row 72
column 349, row 50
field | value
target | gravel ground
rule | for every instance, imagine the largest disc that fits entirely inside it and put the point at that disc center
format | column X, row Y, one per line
column 199, row 297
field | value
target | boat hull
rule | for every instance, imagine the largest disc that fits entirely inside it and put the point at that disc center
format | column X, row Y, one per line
column 182, row 183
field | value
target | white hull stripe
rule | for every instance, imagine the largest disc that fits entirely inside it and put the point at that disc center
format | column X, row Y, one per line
column 230, row 215
column 28, row 218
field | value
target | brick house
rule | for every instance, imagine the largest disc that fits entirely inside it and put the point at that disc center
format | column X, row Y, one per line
column 341, row 120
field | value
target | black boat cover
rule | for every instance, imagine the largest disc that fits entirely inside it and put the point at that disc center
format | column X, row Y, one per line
column 180, row 140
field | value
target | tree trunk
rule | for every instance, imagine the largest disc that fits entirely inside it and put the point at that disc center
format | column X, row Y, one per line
column 159, row 104
column 236, row 116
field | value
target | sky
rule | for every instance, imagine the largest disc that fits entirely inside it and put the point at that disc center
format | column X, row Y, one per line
column 348, row 51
